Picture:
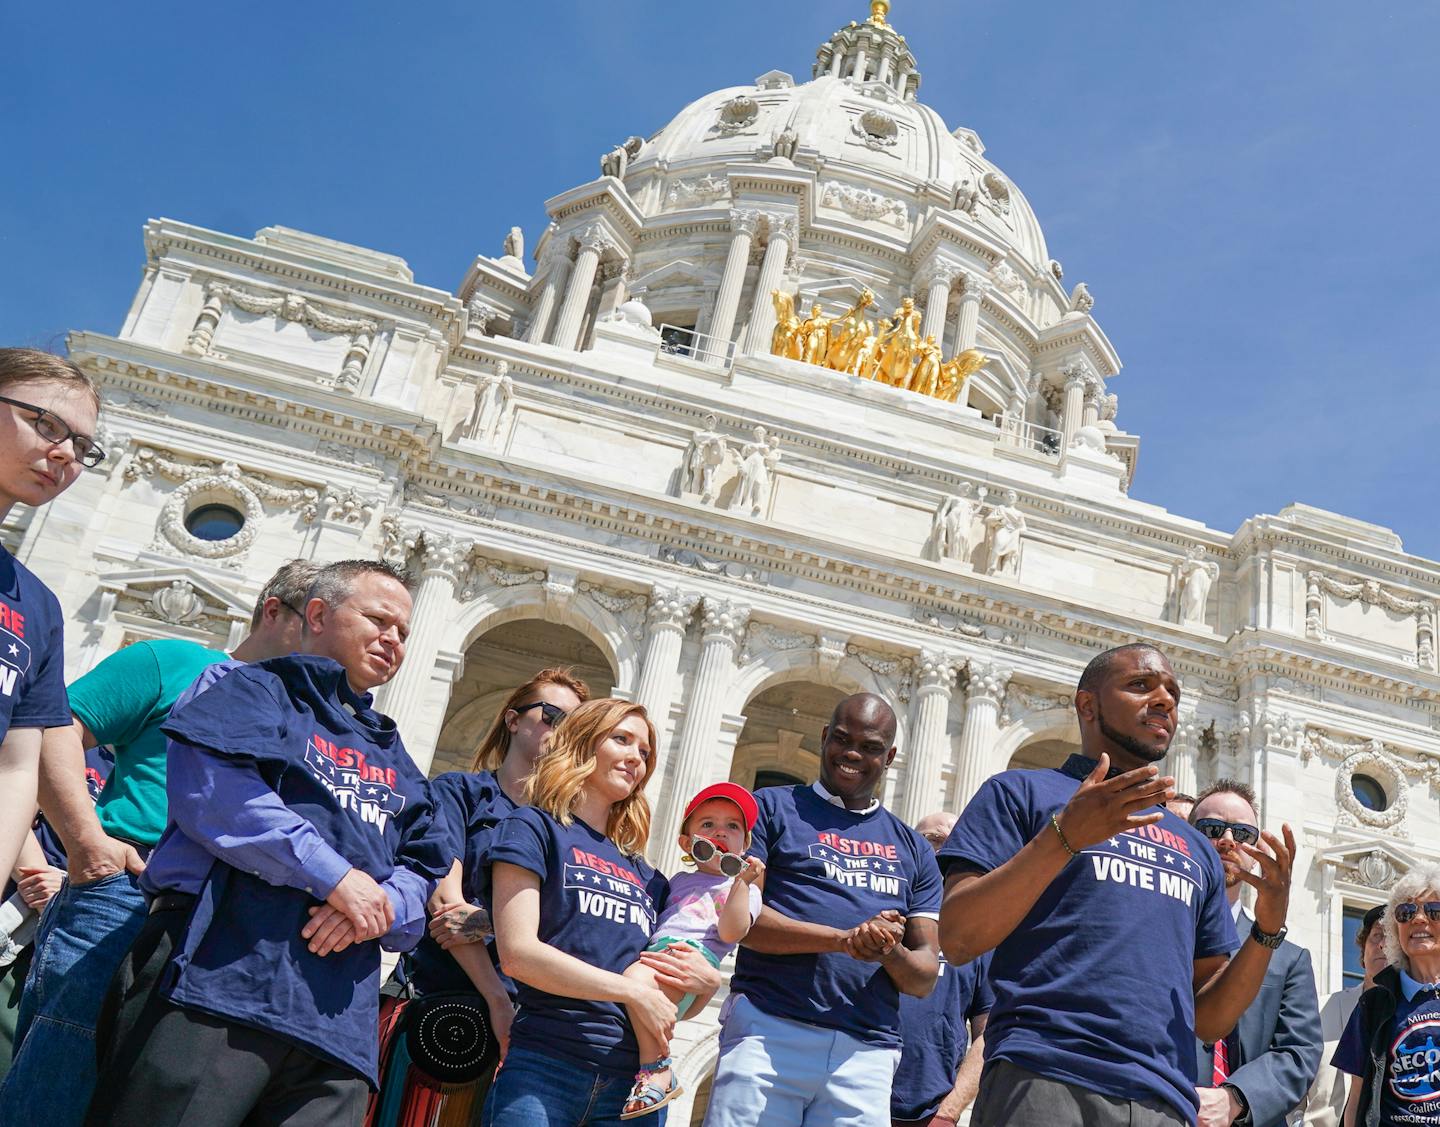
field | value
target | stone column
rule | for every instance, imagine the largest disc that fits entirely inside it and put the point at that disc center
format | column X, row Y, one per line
column 883, row 74
column 837, row 60
column 772, row 269
column 1182, row 761
column 861, row 57
column 1090, row 413
column 593, row 242
column 1077, row 380
column 985, row 684
column 967, row 331
column 938, row 279
column 665, row 622
column 727, row 302
column 722, row 628
column 444, row 563
column 929, row 739
column 545, row 303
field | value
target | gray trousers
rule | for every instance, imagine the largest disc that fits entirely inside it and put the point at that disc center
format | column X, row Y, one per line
column 1011, row 1096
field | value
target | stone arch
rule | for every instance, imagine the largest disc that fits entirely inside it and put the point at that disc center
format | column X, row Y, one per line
column 697, row 1064
column 1057, row 724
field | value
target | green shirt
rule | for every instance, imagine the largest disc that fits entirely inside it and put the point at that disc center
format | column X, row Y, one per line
column 123, row 701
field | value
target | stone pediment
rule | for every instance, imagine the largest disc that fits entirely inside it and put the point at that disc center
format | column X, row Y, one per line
column 1371, row 863
column 681, row 272
column 176, row 596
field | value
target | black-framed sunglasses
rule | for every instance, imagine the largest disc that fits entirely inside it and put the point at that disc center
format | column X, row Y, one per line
column 551, row 714
column 1406, row 912
column 54, row 429
column 1214, row 829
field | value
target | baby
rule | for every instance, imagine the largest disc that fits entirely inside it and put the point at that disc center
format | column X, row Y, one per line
column 701, row 911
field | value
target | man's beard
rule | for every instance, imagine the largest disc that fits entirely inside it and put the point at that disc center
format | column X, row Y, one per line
column 1133, row 745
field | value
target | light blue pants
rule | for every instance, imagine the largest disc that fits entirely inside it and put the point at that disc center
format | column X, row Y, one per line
column 783, row 1073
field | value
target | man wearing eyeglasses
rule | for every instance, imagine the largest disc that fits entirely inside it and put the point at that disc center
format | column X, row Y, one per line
column 1258, row 1074
column 90, row 923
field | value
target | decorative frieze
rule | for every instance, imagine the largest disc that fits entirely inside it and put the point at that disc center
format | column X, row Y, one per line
column 865, row 204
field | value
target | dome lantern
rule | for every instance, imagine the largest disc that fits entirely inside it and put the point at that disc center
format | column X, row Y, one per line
column 871, row 54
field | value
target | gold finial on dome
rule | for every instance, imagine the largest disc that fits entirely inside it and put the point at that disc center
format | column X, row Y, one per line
column 879, row 9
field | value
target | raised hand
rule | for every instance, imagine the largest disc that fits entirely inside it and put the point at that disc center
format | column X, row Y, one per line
column 1272, row 882
column 1103, row 807
column 753, row 871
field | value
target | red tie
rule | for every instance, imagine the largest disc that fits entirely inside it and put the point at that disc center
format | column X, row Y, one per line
column 1222, row 1064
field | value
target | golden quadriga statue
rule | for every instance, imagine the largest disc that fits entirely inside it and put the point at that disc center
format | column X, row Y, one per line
column 891, row 351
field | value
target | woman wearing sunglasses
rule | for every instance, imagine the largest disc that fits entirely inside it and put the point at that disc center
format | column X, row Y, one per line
column 575, row 904
column 1391, row 1048
column 458, row 956
column 48, row 412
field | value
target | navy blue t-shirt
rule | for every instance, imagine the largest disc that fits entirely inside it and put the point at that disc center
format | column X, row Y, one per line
column 1410, row 1088
column 596, row 904
column 468, row 807
column 1095, row 985
column 828, row 865
column 935, row 1036
column 32, row 652
column 342, row 767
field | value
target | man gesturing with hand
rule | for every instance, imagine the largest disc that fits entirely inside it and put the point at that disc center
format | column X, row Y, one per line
column 1107, row 914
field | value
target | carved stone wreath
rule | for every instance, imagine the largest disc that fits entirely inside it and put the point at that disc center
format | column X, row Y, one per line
column 1384, row 771
column 997, row 192
column 219, row 488
column 877, row 129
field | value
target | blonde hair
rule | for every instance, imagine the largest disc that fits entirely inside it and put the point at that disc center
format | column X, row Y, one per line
column 496, row 745
column 569, row 760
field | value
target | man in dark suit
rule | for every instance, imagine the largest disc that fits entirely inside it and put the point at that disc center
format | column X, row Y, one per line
column 1259, row 1074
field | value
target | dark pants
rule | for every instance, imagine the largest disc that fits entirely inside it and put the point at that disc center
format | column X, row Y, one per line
column 172, row 1067
column 1011, row 1096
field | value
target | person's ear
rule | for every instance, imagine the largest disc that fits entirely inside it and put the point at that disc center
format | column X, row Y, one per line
column 890, row 758
column 1085, row 704
column 317, row 616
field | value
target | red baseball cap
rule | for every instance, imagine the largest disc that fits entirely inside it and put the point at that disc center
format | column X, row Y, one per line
column 731, row 792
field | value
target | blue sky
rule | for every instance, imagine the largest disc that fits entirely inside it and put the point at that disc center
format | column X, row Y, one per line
column 1247, row 188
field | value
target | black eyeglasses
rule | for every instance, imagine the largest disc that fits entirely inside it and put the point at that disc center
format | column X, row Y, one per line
column 54, row 429
column 1404, row 913
column 1214, row 829
column 551, row 714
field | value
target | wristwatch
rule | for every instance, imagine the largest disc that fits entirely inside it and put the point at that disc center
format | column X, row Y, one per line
column 1271, row 941
column 1243, row 1119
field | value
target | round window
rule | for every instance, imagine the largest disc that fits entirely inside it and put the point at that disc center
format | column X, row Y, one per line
column 214, row 522
column 1368, row 792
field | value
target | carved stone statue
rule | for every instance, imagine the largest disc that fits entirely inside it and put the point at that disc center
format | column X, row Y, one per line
column 954, row 373
column 898, row 355
column 617, row 160
column 707, row 454
column 1004, row 525
column 966, row 197
column 1196, row 576
column 785, row 340
column 953, row 528
column 926, row 378
column 785, row 143
column 515, row 244
column 867, row 357
column 493, row 394
column 758, row 458
column 815, row 336
column 1080, row 299
column 848, row 333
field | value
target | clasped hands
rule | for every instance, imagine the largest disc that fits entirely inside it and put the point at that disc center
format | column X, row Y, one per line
column 357, row 910
column 872, row 940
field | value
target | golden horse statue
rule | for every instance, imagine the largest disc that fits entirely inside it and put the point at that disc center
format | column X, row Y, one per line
column 898, row 355
column 866, row 364
column 784, row 341
column 954, row 373
column 848, row 333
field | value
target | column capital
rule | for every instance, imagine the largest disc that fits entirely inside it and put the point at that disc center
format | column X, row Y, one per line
column 977, row 287
column 782, row 225
column 936, row 671
column 723, row 620
column 986, row 681
column 670, row 608
column 1078, row 372
column 595, row 237
column 480, row 312
column 439, row 553
column 938, row 271
column 745, row 220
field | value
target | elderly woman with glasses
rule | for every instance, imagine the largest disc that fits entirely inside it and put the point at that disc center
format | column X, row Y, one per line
column 1391, row 1048
column 48, row 413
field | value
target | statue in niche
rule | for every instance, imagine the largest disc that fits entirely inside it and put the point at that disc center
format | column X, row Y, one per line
column 898, row 355
column 954, row 373
column 815, row 336
column 515, row 244
column 953, row 528
column 1004, row 525
column 926, row 379
column 1196, row 576
column 785, row 143
column 848, row 333
column 493, row 394
column 707, row 454
column 867, row 356
column 785, row 340
column 617, row 160
column 758, row 458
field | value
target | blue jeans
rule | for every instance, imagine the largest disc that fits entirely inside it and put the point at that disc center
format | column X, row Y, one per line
column 85, row 932
column 533, row 1090
column 776, row 1071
